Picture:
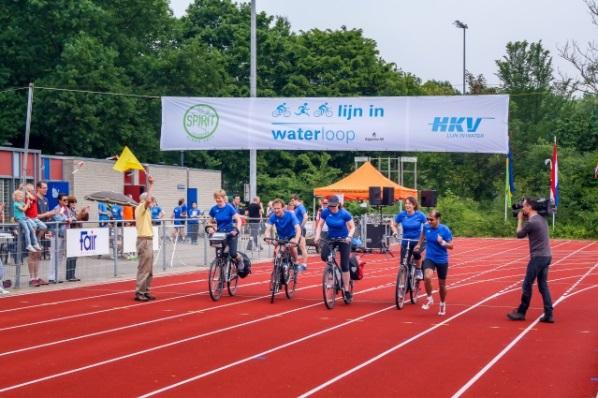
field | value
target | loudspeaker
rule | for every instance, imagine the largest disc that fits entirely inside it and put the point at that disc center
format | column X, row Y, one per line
column 375, row 196
column 388, row 196
column 374, row 236
column 428, row 198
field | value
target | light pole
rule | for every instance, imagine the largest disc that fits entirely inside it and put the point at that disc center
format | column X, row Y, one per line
column 463, row 26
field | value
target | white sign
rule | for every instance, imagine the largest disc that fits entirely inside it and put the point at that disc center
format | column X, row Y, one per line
column 466, row 123
column 130, row 239
column 81, row 242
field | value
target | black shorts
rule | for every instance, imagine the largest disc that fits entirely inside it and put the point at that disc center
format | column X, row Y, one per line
column 411, row 245
column 441, row 269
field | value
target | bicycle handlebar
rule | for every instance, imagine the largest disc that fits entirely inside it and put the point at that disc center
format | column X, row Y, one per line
column 281, row 241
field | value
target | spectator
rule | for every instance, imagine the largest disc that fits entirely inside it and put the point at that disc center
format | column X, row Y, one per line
column 103, row 214
column 193, row 222
column 19, row 208
column 128, row 215
column 157, row 213
column 63, row 218
column 179, row 214
column 117, row 214
column 45, row 215
column 2, row 281
column 255, row 213
column 83, row 215
column 32, row 209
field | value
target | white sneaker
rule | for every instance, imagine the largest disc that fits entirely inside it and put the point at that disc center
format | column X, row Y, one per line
column 426, row 306
column 38, row 247
column 31, row 249
column 3, row 291
column 442, row 309
column 419, row 275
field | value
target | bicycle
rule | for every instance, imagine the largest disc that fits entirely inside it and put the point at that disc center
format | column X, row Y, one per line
column 406, row 278
column 323, row 110
column 332, row 281
column 223, row 269
column 284, row 271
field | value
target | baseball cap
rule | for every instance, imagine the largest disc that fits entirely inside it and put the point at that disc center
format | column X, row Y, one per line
column 333, row 200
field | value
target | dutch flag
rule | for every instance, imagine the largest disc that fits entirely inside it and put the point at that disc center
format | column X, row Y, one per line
column 554, row 177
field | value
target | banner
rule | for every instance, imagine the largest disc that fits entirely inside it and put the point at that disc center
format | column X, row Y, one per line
column 464, row 123
column 81, row 242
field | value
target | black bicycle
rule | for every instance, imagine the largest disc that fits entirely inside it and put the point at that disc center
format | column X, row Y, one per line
column 407, row 280
column 223, row 269
column 284, row 271
column 332, row 280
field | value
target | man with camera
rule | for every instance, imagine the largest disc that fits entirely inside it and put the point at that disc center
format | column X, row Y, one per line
column 536, row 229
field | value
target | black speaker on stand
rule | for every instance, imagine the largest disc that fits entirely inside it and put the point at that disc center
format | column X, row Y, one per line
column 428, row 198
column 388, row 196
column 375, row 197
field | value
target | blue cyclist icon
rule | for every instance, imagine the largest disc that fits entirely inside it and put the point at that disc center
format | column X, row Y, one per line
column 323, row 110
column 282, row 110
column 302, row 110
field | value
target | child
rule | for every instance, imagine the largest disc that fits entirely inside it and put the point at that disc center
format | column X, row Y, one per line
column 19, row 208
column 32, row 210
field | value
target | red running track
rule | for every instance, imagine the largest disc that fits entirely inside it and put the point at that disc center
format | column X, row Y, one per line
column 96, row 341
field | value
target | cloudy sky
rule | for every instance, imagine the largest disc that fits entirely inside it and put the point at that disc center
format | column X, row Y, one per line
column 419, row 36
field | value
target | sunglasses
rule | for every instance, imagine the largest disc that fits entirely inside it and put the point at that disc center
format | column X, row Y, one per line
column 332, row 206
column 430, row 219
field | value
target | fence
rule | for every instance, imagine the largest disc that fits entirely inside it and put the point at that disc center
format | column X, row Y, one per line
column 177, row 248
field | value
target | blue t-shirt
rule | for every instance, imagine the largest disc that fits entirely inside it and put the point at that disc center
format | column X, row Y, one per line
column 412, row 224
column 337, row 222
column 193, row 216
column 223, row 216
column 178, row 215
column 102, row 208
column 19, row 214
column 117, row 212
column 434, row 251
column 300, row 212
column 156, row 210
column 285, row 225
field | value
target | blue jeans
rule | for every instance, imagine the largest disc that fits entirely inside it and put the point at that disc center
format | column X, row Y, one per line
column 29, row 231
column 537, row 268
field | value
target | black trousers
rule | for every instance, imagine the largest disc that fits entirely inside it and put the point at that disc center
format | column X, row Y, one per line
column 537, row 268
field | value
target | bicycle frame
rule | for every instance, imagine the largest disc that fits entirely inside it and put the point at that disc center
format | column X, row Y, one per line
column 406, row 279
column 332, row 280
column 222, row 270
column 284, row 271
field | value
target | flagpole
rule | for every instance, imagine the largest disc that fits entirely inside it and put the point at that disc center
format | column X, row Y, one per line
column 506, row 182
column 555, row 206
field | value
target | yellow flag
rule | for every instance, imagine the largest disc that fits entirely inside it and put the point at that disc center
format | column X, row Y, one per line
column 127, row 161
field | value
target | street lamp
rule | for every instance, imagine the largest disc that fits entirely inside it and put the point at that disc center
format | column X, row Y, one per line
column 463, row 26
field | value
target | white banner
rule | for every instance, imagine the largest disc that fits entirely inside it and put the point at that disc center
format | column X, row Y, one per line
column 465, row 123
column 130, row 239
column 81, row 242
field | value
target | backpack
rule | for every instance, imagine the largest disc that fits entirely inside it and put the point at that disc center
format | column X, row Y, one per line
column 247, row 269
column 356, row 266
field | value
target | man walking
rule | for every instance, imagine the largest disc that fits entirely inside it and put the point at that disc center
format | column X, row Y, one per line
column 536, row 229
column 145, row 250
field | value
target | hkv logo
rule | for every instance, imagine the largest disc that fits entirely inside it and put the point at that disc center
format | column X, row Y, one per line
column 88, row 241
column 457, row 123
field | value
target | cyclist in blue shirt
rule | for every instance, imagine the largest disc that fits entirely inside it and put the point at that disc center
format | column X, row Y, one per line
column 225, row 217
column 439, row 238
column 412, row 223
column 340, row 225
column 301, row 213
column 286, row 224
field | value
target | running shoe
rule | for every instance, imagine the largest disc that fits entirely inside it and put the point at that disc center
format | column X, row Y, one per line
column 301, row 267
column 3, row 291
column 38, row 247
column 442, row 309
column 516, row 316
column 419, row 275
column 348, row 297
column 426, row 306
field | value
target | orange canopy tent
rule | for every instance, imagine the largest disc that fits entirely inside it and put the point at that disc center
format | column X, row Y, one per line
column 356, row 185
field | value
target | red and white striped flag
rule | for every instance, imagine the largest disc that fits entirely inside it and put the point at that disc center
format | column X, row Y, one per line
column 554, row 177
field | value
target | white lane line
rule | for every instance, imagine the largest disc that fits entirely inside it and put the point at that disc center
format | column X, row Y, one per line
column 155, row 348
column 396, row 347
column 508, row 348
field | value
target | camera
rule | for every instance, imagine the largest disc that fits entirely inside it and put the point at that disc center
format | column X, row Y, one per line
column 543, row 207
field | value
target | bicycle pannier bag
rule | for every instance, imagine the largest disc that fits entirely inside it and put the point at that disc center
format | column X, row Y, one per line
column 356, row 266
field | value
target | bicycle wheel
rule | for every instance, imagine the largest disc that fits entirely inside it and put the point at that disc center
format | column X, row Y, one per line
column 289, row 287
column 413, row 286
column 215, row 280
column 232, row 278
column 329, row 286
column 275, row 281
column 401, row 287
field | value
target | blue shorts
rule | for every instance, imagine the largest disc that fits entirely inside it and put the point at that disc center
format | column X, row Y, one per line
column 441, row 269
